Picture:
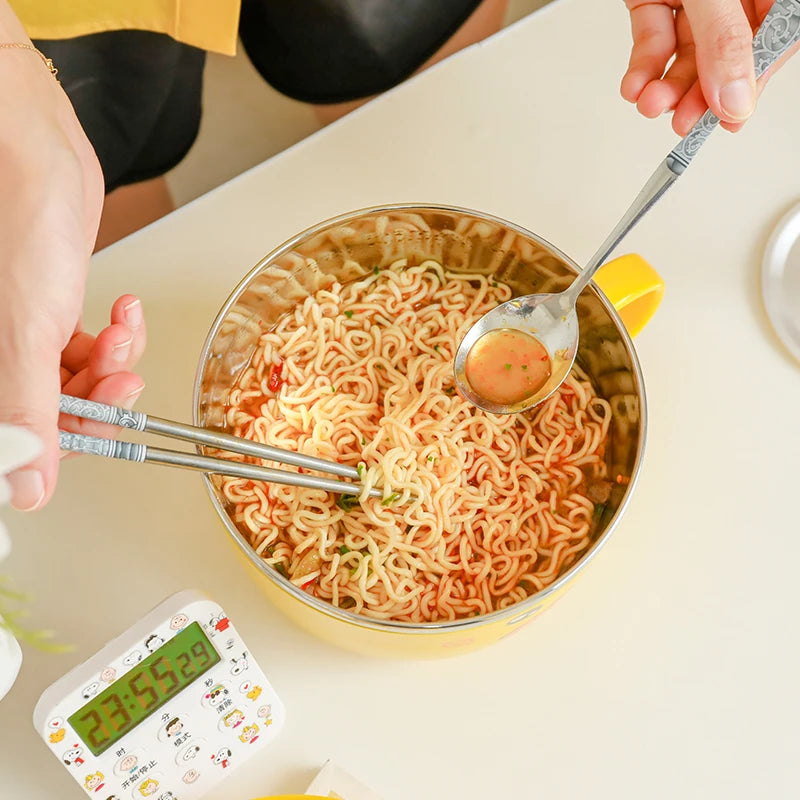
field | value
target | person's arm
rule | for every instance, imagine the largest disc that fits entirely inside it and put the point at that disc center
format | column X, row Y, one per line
column 711, row 41
column 50, row 203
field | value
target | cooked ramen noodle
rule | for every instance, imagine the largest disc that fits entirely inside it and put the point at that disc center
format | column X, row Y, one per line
column 478, row 511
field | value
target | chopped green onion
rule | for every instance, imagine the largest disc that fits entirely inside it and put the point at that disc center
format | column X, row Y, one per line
column 348, row 314
column 344, row 549
column 494, row 283
column 375, row 270
column 436, row 348
column 363, row 441
column 347, row 502
column 333, row 388
column 360, row 469
column 524, row 366
column 507, row 366
column 599, row 510
column 282, row 570
column 390, row 499
column 449, row 390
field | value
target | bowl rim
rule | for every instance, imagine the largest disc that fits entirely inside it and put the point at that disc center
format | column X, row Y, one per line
column 512, row 614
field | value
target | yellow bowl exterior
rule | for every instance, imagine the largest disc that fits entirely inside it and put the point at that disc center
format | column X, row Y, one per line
column 427, row 643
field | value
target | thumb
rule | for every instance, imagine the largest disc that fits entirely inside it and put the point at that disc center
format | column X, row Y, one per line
column 29, row 391
column 724, row 53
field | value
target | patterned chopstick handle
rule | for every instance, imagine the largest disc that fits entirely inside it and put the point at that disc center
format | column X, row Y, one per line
column 100, row 412
column 95, row 446
column 778, row 32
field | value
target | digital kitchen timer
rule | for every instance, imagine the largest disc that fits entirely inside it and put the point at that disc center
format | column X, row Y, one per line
column 165, row 710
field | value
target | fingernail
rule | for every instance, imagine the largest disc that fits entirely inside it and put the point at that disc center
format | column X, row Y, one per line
column 132, row 398
column 27, row 489
column 737, row 99
column 133, row 314
column 120, row 351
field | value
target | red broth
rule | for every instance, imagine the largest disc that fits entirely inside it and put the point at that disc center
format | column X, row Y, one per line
column 507, row 366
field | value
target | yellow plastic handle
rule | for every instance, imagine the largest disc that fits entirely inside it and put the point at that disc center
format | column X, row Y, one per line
column 634, row 288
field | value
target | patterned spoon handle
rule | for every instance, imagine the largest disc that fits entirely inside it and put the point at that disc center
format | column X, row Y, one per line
column 778, row 32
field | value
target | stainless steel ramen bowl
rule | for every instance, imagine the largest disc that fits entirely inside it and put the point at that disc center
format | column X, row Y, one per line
column 346, row 247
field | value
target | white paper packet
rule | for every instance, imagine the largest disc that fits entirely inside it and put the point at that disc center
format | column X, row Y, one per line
column 332, row 781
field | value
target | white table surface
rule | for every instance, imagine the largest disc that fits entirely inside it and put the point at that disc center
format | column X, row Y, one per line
column 670, row 669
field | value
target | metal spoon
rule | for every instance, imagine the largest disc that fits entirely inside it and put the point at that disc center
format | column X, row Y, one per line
column 551, row 318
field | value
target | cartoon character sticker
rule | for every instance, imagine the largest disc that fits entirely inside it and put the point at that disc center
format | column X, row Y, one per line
column 265, row 712
column 233, row 719
column 254, row 693
column 73, row 755
column 108, row 675
column 173, row 727
column 57, row 731
column 167, row 796
column 132, row 658
column 249, row 734
column 239, row 665
column 128, row 764
column 152, row 643
column 148, row 787
column 90, row 691
column 94, row 782
column 219, row 623
column 178, row 622
column 191, row 776
column 216, row 694
column 222, row 757
column 190, row 752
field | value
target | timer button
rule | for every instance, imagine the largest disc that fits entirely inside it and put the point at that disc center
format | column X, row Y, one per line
column 174, row 728
column 129, row 764
column 186, row 757
column 232, row 720
column 151, row 784
column 215, row 695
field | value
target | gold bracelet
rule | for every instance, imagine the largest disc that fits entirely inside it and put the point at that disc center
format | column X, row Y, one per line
column 48, row 62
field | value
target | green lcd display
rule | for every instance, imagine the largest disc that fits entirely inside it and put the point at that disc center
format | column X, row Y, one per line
column 117, row 710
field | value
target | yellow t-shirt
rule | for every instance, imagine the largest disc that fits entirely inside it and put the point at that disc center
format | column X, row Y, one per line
column 209, row 24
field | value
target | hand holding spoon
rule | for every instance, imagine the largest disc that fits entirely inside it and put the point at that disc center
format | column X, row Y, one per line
column 519, row 353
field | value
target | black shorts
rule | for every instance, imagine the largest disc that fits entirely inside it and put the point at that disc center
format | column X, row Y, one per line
column 138, row 94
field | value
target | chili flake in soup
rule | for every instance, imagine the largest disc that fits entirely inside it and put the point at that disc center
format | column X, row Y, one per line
column 506, row 366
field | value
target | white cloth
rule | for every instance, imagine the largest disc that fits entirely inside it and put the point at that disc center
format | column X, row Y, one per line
column 17, row 448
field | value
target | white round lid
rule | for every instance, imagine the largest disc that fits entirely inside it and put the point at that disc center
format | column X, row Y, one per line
column 780, row 280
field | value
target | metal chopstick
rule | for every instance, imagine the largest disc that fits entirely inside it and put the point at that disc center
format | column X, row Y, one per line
column 138, row 421
column 132, row 451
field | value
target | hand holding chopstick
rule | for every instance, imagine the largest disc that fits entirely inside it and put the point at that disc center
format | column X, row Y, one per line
column 136, row 420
